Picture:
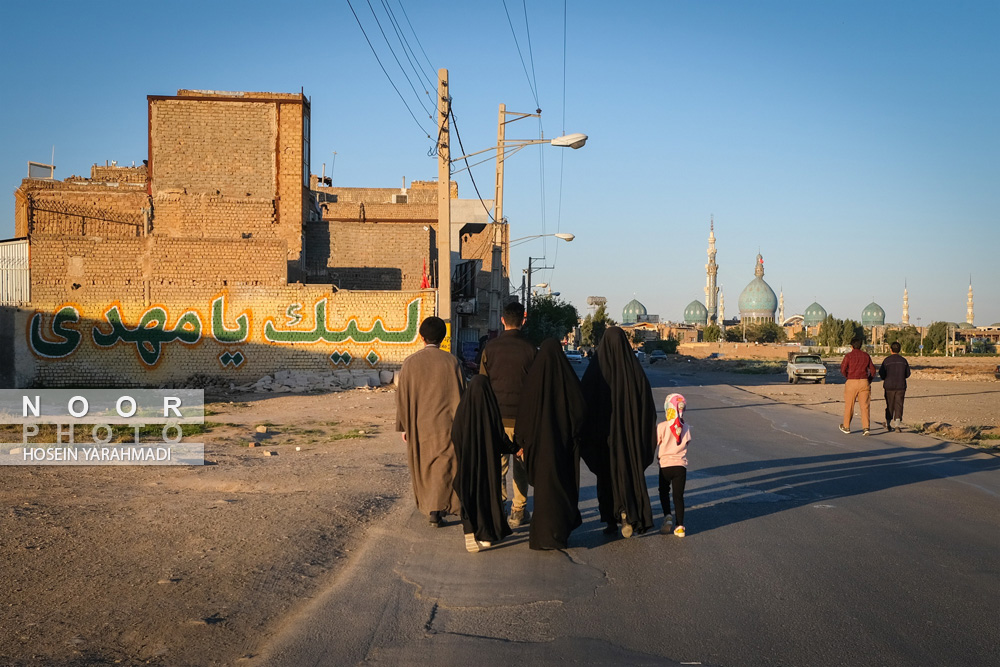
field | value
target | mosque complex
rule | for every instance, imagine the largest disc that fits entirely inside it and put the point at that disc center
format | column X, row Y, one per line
column 758, row 304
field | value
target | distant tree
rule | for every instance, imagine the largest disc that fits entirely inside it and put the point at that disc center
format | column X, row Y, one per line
column 712, row 333
column 766, row 332
column 734, row 334
column 936, row 337
column 849, row 330
column 550, row 317
column 593, row 327
column 908, row 338
column 829, row 332
column 800, row 336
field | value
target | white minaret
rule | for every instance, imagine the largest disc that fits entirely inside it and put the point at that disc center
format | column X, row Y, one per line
column 969, row 314
column 781, row 306
column 711, row 271
column 906, row 305
column 722, row 310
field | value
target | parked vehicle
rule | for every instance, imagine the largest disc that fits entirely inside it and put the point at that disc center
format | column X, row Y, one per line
column 806, row 367
column 657, row 355
column 574, row 356
column 640, row 355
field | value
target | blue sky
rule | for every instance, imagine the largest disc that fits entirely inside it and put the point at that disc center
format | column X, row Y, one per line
column 855, row 144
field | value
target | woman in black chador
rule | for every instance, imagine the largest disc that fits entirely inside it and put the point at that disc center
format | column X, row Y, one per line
column 550, row 423
column 479, row 440
column 621, row 433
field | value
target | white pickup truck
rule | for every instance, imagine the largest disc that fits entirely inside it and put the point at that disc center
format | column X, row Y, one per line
column 803, row 366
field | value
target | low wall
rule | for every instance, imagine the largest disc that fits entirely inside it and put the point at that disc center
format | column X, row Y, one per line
column 238, row 334
column 737, row 350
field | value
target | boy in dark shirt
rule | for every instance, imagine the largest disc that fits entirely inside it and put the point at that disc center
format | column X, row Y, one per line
column 894, row 370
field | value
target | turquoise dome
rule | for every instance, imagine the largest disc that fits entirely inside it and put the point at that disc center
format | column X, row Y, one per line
column 757, row 300
column 814, row 315
column 872, row 315
column 695, row 313
column 633, row 309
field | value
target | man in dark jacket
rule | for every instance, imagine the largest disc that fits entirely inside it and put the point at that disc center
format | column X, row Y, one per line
column 859, row 370
column 894, row 371
column 505, row 361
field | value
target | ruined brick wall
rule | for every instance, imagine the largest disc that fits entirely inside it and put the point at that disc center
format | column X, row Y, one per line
column 354, row 255
column 239, row 334
column 80, row 208
column 115, row 174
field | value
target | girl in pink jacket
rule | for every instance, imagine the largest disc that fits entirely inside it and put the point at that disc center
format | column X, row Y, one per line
column 672, row 438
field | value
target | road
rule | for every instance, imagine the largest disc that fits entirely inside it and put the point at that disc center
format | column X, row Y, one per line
column 805, row 547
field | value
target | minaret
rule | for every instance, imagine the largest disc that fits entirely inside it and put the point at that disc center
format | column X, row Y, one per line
column 968, row 313
column 711, row 270
column 781, row 306
column 906, row 306
column 722, row 310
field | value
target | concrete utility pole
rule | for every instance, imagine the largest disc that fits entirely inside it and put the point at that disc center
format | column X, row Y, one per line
column 498, row 259
column 444, row 208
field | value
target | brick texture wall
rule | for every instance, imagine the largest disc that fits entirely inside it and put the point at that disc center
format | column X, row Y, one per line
column 288, row 309
column 354, row 255
column 209, row 147
column 214, row 216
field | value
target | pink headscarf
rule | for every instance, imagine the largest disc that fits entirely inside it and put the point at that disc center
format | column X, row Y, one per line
column 674, row 407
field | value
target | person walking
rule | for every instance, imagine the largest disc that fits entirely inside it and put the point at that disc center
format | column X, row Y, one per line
column 550, row 424
column 894, row 370
column 672, row 437
column 859, row 370
column 428, row 391
column 621, row 434
column 480, row 441
column 505, row 361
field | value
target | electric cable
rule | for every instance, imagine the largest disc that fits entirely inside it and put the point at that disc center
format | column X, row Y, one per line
column 379, row 60
column 399, row 64
column 534, row 94
column 425, row 80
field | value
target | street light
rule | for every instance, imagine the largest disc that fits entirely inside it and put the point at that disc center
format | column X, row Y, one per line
column 504, row 148
column 559, row 235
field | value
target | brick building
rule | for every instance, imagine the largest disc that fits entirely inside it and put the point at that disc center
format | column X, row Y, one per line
column 198, row 261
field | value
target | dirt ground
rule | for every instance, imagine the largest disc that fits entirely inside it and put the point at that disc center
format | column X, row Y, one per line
column 198, row 565
column 194, row 565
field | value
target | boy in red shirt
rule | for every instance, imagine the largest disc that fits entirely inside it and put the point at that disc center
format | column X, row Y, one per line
column 859, row 370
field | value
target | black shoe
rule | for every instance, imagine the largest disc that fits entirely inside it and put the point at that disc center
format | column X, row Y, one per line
column 610, row 529
column 436, row 520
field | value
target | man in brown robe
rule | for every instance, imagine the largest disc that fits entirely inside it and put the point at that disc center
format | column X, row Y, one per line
column 428, row 390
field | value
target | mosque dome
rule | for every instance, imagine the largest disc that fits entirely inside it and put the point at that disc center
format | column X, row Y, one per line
column 695, row 313
column 815, row 314
column 633, row 309
column 757, row 300
column 872, row 315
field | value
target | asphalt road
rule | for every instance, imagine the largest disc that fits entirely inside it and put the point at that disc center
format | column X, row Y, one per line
column 805, row 547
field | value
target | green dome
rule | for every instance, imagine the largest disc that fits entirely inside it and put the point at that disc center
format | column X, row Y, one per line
column 872, row 315
column 757, row 300
column 633, row 309
column 695, row 313
column 815, row 314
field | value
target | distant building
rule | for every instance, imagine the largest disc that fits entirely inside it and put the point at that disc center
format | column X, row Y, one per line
column 632, row 311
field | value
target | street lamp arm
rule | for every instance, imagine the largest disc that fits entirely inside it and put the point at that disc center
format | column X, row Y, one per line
column 559, row 235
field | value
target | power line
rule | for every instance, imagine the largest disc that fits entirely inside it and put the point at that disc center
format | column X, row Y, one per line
column 401, row 68
column 415, row 36
column 516, row 44
column 379, row 60
column 531, row 55
column 408, row 50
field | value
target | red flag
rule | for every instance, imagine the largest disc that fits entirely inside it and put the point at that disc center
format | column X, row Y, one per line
column 424, row 282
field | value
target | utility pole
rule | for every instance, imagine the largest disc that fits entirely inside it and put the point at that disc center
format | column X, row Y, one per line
column 444, row 208
column 498, row 259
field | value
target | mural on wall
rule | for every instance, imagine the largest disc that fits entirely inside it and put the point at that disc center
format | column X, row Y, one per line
column 155, row 330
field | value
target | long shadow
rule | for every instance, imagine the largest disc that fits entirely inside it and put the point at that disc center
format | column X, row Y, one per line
column 755, row 489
